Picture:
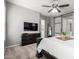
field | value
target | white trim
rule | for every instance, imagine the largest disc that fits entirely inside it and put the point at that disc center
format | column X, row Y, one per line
column 13, row 45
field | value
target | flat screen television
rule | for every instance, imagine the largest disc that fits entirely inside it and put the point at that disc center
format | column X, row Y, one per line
column 30, row 26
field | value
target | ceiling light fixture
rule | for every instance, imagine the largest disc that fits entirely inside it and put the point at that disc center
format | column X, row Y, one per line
column 54, row 10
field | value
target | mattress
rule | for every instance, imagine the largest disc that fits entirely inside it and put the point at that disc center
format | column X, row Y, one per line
column 58, row 48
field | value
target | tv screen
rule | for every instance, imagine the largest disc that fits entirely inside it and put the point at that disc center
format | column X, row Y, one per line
column 30, row 26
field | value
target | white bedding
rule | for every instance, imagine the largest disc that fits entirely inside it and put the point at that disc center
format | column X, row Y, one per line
column 58, row 48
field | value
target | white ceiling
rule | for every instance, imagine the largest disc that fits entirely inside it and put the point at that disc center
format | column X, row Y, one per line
column 37, row 6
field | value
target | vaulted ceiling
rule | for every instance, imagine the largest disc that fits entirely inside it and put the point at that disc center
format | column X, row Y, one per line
column 36, row 5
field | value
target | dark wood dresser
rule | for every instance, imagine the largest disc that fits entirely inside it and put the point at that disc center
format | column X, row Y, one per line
column 29, row 38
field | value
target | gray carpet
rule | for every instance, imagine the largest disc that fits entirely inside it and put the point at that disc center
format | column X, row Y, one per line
column 21, row 52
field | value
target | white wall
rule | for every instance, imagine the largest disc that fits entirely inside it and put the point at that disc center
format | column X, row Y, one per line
column 16, row 16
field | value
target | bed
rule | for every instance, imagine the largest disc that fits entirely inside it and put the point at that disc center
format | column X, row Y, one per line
column 58, row 48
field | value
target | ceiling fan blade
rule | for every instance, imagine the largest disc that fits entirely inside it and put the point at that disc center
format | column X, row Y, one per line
column 50, row 10
column 58, row 10
column 46, row 6
column 65, row 5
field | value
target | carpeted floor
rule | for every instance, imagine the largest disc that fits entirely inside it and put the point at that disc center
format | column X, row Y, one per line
column 21, row 52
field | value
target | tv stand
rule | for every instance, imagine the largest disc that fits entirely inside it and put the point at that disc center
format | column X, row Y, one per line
column 29, row 38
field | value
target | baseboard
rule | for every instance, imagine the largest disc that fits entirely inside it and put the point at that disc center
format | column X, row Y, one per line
column 12, row 45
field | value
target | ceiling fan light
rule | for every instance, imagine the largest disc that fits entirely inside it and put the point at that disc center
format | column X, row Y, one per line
column 54, row 10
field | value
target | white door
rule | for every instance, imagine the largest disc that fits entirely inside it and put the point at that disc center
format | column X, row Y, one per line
column 42, row 28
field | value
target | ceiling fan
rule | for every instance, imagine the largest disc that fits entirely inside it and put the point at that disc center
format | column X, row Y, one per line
column 55, row 6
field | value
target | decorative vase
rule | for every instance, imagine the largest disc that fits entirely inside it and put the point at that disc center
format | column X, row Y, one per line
column 64, row 37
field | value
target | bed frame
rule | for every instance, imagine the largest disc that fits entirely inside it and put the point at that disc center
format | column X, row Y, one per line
column 43, row 52
column 46, row 54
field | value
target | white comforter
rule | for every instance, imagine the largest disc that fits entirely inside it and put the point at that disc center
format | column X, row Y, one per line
column 58, row 48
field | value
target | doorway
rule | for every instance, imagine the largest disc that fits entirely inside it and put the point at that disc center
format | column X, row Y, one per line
column 42, row 28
